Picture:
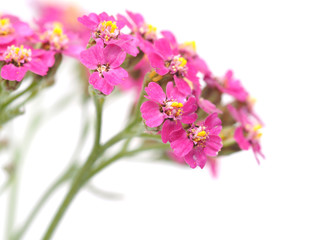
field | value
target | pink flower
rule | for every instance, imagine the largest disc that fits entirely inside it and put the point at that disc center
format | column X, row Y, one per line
column 19, row 60
column 105, row 63
column 165, row 60
column 107, row 29
column 188, row 51
column 197, row 142
column 145, row 33
column 247, row 135
column 66, row 14
column 12, row 30
column 53, row 37
column 170, row 109
column 229, row 85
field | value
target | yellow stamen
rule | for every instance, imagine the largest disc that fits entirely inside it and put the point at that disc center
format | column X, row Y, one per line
column 57, row 29
column 4, row 21
column 177, row 104
column 202, row 134
column 257, row 127
column 191, row 44
column 151, row 28
column 113, row 25
column 183, row 61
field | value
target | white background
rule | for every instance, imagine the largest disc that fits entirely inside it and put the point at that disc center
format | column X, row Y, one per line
column 273, row 47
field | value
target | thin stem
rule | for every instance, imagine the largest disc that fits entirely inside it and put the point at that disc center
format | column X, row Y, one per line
column 13, row 195
column 82, row 173
column 62, row 179
column 10, row 100
column 121, row 154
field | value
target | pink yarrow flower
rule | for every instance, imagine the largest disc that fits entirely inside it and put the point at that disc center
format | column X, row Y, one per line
column 169, row 109
column 229, row 85
column 198, row 141
column 105, row 63
column 188, row 51
column 12, row 30
column 165, row 60
column 53, row 37
column 19, row 60
column 107, row 29
column 145, row 33
column 247, row 134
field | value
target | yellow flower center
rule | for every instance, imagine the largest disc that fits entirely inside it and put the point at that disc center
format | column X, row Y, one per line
column 191, row 45
column 18, row 55
column 57, row 29
column 256, row 131
column 112, row 25
column 151, row 29
column 5, row 26
column 177, row 104
column 182, row 61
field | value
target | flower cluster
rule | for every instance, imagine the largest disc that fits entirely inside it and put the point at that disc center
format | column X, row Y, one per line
column 177, row 107
column 24, row 49
column 192, row 117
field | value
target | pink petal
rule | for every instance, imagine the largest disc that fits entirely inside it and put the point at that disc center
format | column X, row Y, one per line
column 188, row 119
column 182, row 85
column 157, row 62
column 125, row 20
column 213, row 146
column 208, row 106
column 214, row 166
column 93, row 56
column 127, row 43
column 13, row 73
column 171, row 38
column 243, row 143
column 136, row 18
column 212, row 121
column 151, row 114
column 88, row 21
column 167, row 128
column 190, row 106
column 100, row 83
column 114, row 55
column 155, row 93
column 6, row 39
column 163, row 47
column 23, row 29
column 115, row 76
column 201, row 157
column 182, row 145
column 38, row 67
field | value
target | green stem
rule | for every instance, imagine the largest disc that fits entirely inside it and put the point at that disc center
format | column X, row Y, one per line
column 82, row 173
column 62, row 179
column 10, row 100
column 13, row 195
column 121, row 154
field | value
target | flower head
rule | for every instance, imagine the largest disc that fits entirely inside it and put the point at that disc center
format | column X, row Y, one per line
column 229, row 85
column 247, row 134
column 170, row 109
column 107, row 29
column 105, row 63
column 20, row 59
column 12, row 30
column 166, row 59
column 54, row 38
column 197, row 142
